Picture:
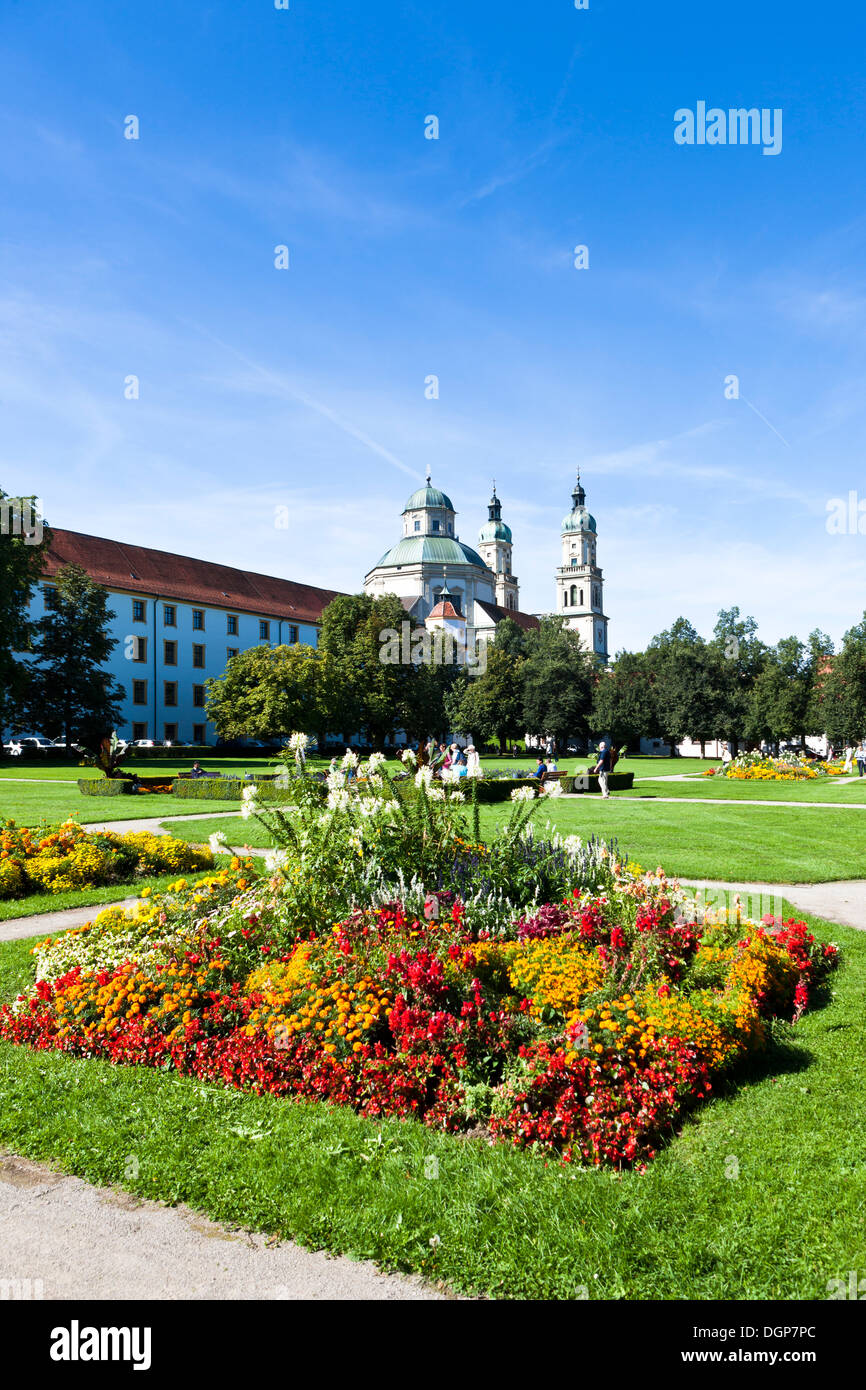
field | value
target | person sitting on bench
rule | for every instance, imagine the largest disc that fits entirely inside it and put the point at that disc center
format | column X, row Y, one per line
column 197, row 770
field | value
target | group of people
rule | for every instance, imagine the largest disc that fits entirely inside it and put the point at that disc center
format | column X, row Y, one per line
column 856, row 755
column 451, row 758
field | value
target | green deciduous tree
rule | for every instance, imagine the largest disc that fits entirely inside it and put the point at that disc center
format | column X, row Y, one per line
column 622, row 703
column 490, row 705
column 682, row 684
column 269, row 693
column 69, row 690
column 557, row 682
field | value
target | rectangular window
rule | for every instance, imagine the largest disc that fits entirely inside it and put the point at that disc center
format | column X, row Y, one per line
column 198, row 619
column 139, row 696
column 169, row 733
column 50, row 597
column 197, row 655
column 231, row 625
column 198, row 696
column 169, row 655
column 169, row 615
column 139, row 650
column 230, row 652
column 417, row 526
column 138, row 610
column 169, row 693
column 435, row 525
column 198, row 733
column 264, row 631
column 293, row 634
column 139, row 731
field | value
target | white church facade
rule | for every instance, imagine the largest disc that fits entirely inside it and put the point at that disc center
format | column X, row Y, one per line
column 429, row 559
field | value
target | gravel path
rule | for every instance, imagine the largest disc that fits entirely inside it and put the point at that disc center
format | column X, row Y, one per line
column 86, row 1242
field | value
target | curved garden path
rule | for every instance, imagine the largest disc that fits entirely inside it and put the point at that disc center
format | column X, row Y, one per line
column 84, row 1242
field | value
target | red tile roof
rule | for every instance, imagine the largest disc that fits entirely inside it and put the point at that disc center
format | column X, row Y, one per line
column 445, row 610
column 137, row 569
column 526, row 621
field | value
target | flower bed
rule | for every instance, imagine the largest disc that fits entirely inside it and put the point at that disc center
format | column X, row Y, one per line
column 67, row 857
column 754, row 767
column 537, row 988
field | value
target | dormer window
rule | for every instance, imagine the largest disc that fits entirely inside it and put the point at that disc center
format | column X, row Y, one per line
column 435, row 526
column 417, row 525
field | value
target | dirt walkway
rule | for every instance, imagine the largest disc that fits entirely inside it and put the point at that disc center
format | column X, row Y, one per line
column 86, row 1242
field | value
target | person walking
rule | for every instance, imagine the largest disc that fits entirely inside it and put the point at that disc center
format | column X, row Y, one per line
column 727, row 757
column 602, row 767
column 860, row 758
column 849, row 758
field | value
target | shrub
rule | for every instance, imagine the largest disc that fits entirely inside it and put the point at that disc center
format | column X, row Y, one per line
column 103, row 786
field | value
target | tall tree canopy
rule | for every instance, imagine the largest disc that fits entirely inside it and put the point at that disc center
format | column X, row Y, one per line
column 557, row 678
column 69, row 690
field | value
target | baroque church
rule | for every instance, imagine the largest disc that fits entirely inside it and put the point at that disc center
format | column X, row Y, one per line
column 177, row 621
column 430, row 566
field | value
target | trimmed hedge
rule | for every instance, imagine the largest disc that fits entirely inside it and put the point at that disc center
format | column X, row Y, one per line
column 226, row 789
column 103, row 786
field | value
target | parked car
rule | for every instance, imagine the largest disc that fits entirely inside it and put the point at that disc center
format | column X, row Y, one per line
column 142, row 743
column 28, row 743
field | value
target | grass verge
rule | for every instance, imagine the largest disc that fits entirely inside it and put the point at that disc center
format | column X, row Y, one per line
column 761, row 1195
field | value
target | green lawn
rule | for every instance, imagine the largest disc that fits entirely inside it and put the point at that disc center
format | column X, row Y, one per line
column 829, row 789
column 773, row 844
column 32, row 803
column 761, row 1196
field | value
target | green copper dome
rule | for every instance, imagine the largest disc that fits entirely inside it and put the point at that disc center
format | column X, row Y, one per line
column 428, row 497
column 578, row 520
column 441, row 550
column 495, row 531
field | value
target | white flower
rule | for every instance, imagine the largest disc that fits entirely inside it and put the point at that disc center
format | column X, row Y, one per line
column 298, row 743
column 248, row 808
column 449, row 774
column 423, row 777
column 408, row 757
column 457, row 796
column 475, row 770
column 375, row 761
column 552, row 789
column 349, row 759
column 249, row 793
column 336, row 780
column 572, row 844
column 338, row 800
column 275, row 860
column 436, row 793
column 218, row 841
column 523, row 794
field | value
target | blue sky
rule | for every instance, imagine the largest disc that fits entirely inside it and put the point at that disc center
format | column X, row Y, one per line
column 304, row 388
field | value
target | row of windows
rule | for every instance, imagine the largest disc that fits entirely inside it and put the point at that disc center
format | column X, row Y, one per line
column 169, row 732
column 169, row 651
column 169, row 618
column 169, row 694
column 574, row 599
